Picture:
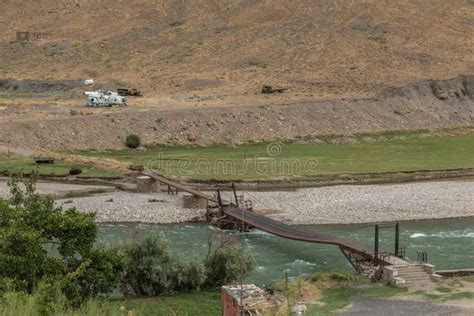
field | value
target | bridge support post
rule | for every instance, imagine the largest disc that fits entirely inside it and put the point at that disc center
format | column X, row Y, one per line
column 349, row 258
column 397, row 239
column 192, row 201
column 145, row 184
column 219, row 201
column 376, row 245
column 235, row 194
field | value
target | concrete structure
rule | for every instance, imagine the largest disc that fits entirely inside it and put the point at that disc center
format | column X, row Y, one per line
column 410, row 274
column 145, row 184
column 192, row 201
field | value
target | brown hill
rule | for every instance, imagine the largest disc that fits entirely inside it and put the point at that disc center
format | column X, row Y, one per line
column 318, row 48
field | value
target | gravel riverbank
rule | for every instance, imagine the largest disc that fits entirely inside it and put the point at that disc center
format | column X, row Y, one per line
column 57, row 189
column 368, row 203
column 326, row 205
column 341, row 204
column 121, row 206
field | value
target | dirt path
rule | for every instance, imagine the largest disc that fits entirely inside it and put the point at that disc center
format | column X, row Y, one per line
column 368, row 306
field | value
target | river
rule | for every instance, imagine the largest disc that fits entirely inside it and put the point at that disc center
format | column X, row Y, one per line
column 448, row 242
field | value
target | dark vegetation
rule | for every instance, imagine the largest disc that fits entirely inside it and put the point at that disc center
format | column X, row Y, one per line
column 132, row 141
column 49, row 257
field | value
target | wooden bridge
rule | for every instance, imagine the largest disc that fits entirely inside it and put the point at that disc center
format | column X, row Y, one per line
column 360, row 257
column 291, row 232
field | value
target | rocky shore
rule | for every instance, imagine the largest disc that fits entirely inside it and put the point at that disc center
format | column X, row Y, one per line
column 347, row 204
column 344, row 204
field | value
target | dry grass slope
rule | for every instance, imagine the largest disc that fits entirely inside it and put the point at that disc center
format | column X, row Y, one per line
column 319, row 48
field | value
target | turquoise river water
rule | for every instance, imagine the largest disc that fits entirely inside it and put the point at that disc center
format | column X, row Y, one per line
column 449, row 244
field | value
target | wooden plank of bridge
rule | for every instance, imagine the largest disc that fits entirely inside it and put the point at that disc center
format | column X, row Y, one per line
column 290, row 232
column 179, row 186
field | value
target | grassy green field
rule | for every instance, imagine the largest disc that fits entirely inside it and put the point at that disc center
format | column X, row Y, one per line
column 59, row 168
column 375, row 153
column 263, row 161
column 198, row 303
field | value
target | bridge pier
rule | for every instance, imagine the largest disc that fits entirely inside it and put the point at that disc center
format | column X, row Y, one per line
column 145, row 184
column 196, row 202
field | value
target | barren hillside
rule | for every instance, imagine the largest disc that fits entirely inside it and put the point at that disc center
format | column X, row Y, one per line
column 430, row 104
column 318, row 48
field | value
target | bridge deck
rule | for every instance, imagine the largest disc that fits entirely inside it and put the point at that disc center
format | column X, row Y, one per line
column 180, row 187
column 286, row 231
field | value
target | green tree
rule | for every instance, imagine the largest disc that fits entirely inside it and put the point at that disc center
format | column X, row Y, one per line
column 30, row 224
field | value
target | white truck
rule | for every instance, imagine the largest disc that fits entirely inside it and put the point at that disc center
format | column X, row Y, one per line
column 103, row 98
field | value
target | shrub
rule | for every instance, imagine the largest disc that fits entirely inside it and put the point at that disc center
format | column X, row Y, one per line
column 225, row 265
column 75, row 171
column 151, row 270
column 187, row 276
column 132, row 141
column 148, row 266
column 338, row 275
column 318, row 276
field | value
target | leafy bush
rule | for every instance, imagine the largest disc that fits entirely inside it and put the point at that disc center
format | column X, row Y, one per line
column 151, row 270
column 132, row 141
column 226, row 264
column 187, row 276
column 148, row 265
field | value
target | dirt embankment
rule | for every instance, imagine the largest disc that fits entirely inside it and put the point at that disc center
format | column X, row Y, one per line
column 428, row 105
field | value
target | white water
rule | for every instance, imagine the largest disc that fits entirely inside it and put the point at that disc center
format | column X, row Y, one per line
column 468, row 233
